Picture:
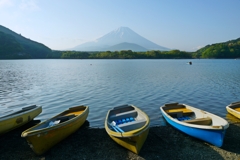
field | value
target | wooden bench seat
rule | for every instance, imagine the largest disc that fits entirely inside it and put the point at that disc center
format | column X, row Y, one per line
column 132, row 125
column 65, row 118
column 184, row 110
column 200, row 121
column 127, row 114
column 179, row 112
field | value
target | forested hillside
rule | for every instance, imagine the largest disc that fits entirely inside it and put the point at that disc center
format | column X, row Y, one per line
column 229, row 49
column 13, row 45
column 10, row 48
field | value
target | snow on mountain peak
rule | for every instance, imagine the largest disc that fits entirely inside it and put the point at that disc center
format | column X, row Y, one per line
column 122, row 29
column 121, row 35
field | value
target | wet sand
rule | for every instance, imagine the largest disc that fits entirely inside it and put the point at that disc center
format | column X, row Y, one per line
column 163, row 142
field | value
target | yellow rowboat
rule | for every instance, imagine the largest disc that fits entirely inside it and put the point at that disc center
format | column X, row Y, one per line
column 128, row 126
column 234, row 109
column 45, row 135
column 18, row 118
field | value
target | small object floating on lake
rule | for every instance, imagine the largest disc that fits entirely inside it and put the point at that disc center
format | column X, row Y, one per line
column 195, row 122
column 190, row 63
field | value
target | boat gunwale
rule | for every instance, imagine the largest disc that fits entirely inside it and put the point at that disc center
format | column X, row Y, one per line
column 233, row 111
column 219, row 127
column 32, row 132
column 228, row 107
column 131, row 133
column 13, row 115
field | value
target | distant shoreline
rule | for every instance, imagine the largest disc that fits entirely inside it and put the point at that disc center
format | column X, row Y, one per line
column 124, row 59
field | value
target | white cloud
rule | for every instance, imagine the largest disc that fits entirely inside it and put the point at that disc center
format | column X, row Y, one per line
column 197, row 48
column 30, row 5
column 4, row 3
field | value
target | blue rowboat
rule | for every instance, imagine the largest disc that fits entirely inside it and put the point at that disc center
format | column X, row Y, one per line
column 195, row 122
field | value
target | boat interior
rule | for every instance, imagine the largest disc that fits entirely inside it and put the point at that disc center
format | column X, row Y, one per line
column 63, row 117
column 181, row 113
column 235, row 106
column 54, row 121
column 127, row 118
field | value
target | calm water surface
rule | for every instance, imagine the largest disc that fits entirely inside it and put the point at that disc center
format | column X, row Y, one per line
column 102, row 84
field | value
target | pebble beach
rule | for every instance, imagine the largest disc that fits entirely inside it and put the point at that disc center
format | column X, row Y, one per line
column 163, row 142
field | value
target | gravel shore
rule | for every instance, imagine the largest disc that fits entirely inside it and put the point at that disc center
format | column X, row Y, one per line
column 163, row 142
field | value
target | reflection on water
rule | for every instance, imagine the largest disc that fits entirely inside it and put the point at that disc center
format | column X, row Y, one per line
column 102, row 84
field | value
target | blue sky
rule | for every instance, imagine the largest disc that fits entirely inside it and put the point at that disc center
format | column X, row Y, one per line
column 175, row 24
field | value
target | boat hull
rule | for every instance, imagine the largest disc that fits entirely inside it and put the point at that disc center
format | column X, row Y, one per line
column 133, row 143
column 14, row 121
column 234, row 109
column 233, row 112
column 42, row 140
column 212, row 136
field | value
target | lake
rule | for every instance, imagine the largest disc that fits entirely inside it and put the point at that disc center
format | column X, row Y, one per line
column 103, row 84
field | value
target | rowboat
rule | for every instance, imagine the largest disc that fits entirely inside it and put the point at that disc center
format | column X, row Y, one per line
column 46, row 134
column 15, row 119
column 234, row 109
column 128, row 126
column 195, row 122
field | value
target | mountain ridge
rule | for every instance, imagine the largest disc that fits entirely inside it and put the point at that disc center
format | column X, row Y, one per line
column 117, row 36
column 127, row 46
column 29, row 48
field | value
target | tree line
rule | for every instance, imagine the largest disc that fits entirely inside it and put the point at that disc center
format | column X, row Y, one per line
column 124, row 54
column 229, row 49
column 11, row 48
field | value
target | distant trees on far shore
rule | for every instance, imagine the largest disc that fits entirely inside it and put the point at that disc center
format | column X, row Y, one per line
column 229, row 49
column 10, row 48
column 124, row 54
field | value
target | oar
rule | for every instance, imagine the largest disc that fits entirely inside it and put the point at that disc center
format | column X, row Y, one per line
column 115, row 125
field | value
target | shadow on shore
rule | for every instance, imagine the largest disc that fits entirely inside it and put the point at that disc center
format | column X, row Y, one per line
column 232, row 139
column 169, row 143
column 92, row 143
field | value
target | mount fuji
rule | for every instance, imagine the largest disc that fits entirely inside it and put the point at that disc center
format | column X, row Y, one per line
column 122, row 38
